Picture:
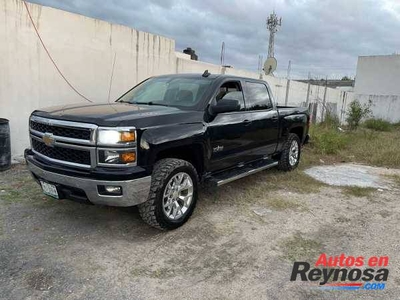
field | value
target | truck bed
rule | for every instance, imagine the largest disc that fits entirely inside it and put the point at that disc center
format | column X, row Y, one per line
column 291, row 110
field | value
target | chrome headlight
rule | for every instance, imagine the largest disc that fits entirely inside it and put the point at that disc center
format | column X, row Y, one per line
column 116, row 146
column 116, row 136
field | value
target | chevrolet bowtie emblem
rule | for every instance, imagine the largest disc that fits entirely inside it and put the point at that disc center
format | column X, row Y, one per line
column 48, row 139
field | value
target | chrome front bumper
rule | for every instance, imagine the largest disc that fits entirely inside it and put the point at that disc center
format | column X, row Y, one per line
column 134, row 191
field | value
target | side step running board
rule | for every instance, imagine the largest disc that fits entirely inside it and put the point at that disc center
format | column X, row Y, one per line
column 232, row 175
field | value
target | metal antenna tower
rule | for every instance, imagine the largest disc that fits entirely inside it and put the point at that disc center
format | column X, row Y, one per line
column 272, row 24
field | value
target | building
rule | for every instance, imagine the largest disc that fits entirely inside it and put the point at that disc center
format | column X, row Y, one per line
column 377, row 80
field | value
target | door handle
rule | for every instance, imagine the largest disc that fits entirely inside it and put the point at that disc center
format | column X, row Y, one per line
column 274, row 118
column 246, row 122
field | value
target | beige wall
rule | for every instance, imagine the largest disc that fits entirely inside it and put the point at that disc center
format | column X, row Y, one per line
column 84, row 50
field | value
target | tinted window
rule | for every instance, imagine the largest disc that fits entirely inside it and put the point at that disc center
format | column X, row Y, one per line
column 257, row 96
column 171, row 91
column 231, row 90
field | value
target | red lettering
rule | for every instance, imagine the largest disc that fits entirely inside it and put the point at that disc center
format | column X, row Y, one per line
column 349, row 261
column 332, row 261
column 372, row 261
column 383, row 261
column 321, row 260
column 341, row 261
column 359, row 261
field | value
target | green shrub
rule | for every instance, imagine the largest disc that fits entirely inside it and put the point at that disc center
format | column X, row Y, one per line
column 331, row 121
column 378, row 124
column 356, row 113
column 328, row 140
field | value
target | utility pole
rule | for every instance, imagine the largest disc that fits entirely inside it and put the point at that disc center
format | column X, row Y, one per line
column 308, row 89
column 272, row 24
column 288, row 83
column 223, row 68
column 223, row 54
column 260, row 66
column 324, row 101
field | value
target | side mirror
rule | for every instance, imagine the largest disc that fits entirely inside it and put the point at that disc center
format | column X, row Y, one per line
column 225, row 105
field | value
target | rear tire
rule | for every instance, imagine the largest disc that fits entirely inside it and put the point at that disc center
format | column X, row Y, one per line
column 173, row 194
column 290, row 156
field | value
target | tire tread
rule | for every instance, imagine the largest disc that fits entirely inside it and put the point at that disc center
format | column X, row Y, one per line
column 162, row 169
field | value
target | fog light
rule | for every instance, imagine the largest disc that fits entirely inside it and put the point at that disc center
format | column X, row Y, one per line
column 113, row 189
column 110, row 190
column 128, row 157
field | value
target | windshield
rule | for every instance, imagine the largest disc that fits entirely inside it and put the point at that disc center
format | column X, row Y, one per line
column 168, row 91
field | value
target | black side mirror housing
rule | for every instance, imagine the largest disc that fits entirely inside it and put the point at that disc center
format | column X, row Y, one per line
column 225, row 105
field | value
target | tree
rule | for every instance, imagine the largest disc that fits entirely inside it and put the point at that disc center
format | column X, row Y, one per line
column 345, row 78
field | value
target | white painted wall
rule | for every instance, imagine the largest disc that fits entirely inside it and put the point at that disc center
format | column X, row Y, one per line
column 378, row 75
column 377, row 81
column 84, row 50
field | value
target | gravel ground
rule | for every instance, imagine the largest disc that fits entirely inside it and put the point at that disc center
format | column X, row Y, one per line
column 239, row 244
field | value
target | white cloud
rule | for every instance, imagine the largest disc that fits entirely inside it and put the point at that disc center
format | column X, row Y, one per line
column 323, row 37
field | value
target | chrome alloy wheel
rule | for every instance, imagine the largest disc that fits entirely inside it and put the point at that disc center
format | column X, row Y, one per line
column 178, row 195
column 293, row 153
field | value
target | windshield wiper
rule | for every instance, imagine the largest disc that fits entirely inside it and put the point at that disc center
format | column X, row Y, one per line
column 149, row 103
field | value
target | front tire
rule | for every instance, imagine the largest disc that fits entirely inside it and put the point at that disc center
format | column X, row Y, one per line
column 291, row 151
column 173, row 194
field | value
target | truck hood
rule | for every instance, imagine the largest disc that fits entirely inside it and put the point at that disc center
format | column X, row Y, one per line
column 121, row 114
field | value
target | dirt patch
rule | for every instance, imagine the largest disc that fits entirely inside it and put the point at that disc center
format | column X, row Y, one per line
column 53, row 249
column 39, row 280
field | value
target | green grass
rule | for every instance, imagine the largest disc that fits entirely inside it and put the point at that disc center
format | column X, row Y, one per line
column 357, row 191
column 395, row 179
column 376, row 148
column 280, row 203
column 298, row 248
column 327, row 140
column 378, row 125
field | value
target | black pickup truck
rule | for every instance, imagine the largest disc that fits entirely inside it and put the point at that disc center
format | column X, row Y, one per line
column 158, row 142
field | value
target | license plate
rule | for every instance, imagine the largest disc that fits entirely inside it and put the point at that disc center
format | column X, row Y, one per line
column 49, row 189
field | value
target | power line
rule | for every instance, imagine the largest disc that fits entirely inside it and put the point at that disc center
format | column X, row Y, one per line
column 111, row 78
column 51, row 58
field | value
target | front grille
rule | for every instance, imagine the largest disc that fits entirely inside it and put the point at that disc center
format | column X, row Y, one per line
column 64, row 154
column 69, row 132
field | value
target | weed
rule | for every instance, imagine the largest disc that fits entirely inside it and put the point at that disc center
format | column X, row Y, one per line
column 331, row 121
column 378, row 125
column 395, row 179
column 297, row 248
column 327, row 140
column 379, row 149
column 279, row 203
column 357, row 191
column 362, row 145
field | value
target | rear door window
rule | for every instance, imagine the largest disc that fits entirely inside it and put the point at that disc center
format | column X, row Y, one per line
column 257, row 96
